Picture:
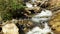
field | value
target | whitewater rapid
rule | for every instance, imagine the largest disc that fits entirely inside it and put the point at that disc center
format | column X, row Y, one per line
column 44, row 16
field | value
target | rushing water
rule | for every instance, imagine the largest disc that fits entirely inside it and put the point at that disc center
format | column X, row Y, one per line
column 44, row 16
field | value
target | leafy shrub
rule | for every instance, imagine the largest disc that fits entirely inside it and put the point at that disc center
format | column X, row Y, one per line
column 8, row 6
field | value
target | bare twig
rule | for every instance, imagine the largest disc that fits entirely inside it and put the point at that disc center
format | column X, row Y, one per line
column 54, row 8
column 43, row 2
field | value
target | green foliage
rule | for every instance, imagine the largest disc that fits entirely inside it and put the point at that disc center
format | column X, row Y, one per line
column 6, row 6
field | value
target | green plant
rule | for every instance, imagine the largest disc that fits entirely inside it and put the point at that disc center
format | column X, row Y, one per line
column 8, row 6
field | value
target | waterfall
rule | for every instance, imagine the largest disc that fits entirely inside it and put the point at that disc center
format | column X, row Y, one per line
column 44, row 16
column 38, row 30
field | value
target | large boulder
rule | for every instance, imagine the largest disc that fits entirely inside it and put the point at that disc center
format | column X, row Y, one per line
column 55, row 22
column 10, row 28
